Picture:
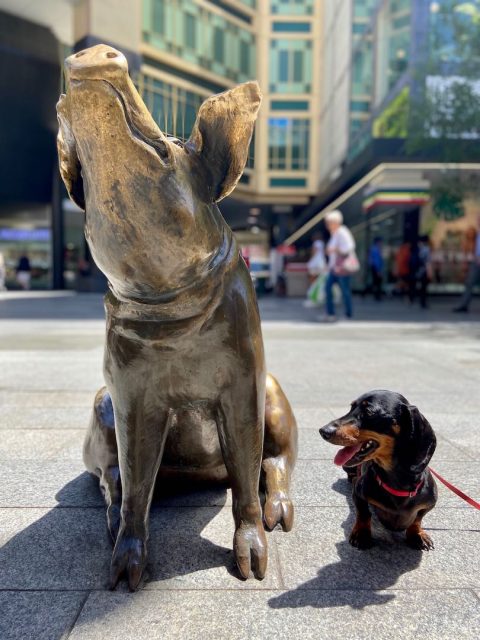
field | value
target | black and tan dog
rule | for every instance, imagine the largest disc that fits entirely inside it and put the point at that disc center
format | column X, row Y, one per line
column 387, row 445
column 187, row 394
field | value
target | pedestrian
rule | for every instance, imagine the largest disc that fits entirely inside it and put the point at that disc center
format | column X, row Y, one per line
column 375, row 262
column 316, row 273
column 402, row 269
column 473, row 275
column 316, row 265
column 2, row 272
column 342, row 263
column 24, row 272
column 420, row 270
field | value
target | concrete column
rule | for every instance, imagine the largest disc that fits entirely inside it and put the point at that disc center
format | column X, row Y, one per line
column 114, row 22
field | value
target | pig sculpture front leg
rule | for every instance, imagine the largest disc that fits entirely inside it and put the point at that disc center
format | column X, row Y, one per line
column 141, row 427
column 241, row 437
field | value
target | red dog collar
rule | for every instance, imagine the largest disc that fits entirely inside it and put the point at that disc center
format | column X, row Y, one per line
column 396, row 492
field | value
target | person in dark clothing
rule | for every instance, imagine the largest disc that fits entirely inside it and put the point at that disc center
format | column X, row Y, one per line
column 24, row 272
column 473, row 276
column 420, row 268
column 375, row 262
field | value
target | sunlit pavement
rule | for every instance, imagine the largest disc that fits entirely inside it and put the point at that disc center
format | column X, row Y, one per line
column 54, row 549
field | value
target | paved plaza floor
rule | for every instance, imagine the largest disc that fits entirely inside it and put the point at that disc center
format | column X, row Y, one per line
column 55, row 551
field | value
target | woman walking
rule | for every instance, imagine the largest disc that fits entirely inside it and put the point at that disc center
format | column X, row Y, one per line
column 342, row 263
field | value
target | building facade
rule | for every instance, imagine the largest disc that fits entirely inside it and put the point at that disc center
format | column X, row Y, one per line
column 400, row 125
column 179, row 53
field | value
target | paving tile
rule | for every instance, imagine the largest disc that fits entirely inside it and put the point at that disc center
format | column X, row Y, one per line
column 51, row 371
column 27, row 417
column 311, row 446
column 16, row 398
column 69, row 548
column 466, row 476
column 65, row 483
column 42, row 483
column 312, row 417
column 319, row 483
column 460, row 429
column 54, row 549
column 191, row 548
column 322, row 483
column 38, row 615
column 316, row 554
column 38, row 444
column 322, row 614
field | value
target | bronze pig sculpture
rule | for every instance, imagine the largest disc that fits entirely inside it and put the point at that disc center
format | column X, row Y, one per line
column 186, row 391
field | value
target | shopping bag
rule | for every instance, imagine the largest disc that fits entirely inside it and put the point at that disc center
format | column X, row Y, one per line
column 316, row 291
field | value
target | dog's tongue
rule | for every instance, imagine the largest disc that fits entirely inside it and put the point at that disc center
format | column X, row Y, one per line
column 345, row 454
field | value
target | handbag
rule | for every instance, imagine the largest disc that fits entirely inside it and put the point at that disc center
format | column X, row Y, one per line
column 346, row 265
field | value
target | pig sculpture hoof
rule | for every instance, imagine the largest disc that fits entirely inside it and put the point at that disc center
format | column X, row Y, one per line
column 250, row 548
column 129, row 556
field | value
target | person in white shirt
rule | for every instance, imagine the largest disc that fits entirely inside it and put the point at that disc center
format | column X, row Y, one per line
column 340, row 246
column 473, row 276
column 317, row 264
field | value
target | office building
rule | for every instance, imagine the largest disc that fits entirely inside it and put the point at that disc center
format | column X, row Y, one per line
column 179, row 53
column 400, row 124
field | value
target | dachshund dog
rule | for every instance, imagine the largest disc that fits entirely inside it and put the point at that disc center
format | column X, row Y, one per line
column 387, row 445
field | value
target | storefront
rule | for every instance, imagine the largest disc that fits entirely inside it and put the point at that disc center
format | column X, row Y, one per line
column 27, row 235
column 398, row 202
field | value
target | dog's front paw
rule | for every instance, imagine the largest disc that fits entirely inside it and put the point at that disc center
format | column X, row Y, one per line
column 361, row 538
column 420, row 540
column 130, row 557
column 250, row 548
column 278, row 510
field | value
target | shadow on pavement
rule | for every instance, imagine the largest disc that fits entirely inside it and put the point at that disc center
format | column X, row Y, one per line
column 69, row 547
column 355, row 580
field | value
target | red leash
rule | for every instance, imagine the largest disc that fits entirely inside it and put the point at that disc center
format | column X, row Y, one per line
column 459, row 493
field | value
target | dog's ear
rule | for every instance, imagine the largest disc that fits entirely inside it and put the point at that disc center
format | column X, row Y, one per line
column 420, row 437
column 221, row 136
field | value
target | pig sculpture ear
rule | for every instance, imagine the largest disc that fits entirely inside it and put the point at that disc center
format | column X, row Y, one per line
column 221, row 135
column 69, row 164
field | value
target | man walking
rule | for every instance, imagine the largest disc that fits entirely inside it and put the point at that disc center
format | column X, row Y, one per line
column 473, row 276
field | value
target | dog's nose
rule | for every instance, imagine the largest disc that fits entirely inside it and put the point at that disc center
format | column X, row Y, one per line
column 328, row 431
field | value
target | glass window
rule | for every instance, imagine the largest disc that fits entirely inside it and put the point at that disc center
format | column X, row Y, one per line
column 364, row 8
column 283, row 66
column 244, row 57
column 298, row 66
column 288, row 143
column 362, row 68
column 290, row 66
column 158, row 16
column 292, row 27
column 188, row 29
column 455, row 34
column 292, row 7
column 218, row 44
column 393, row 46
column 173, row 108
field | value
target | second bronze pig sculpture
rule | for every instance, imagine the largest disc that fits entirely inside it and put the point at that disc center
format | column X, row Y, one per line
column 186, row 391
